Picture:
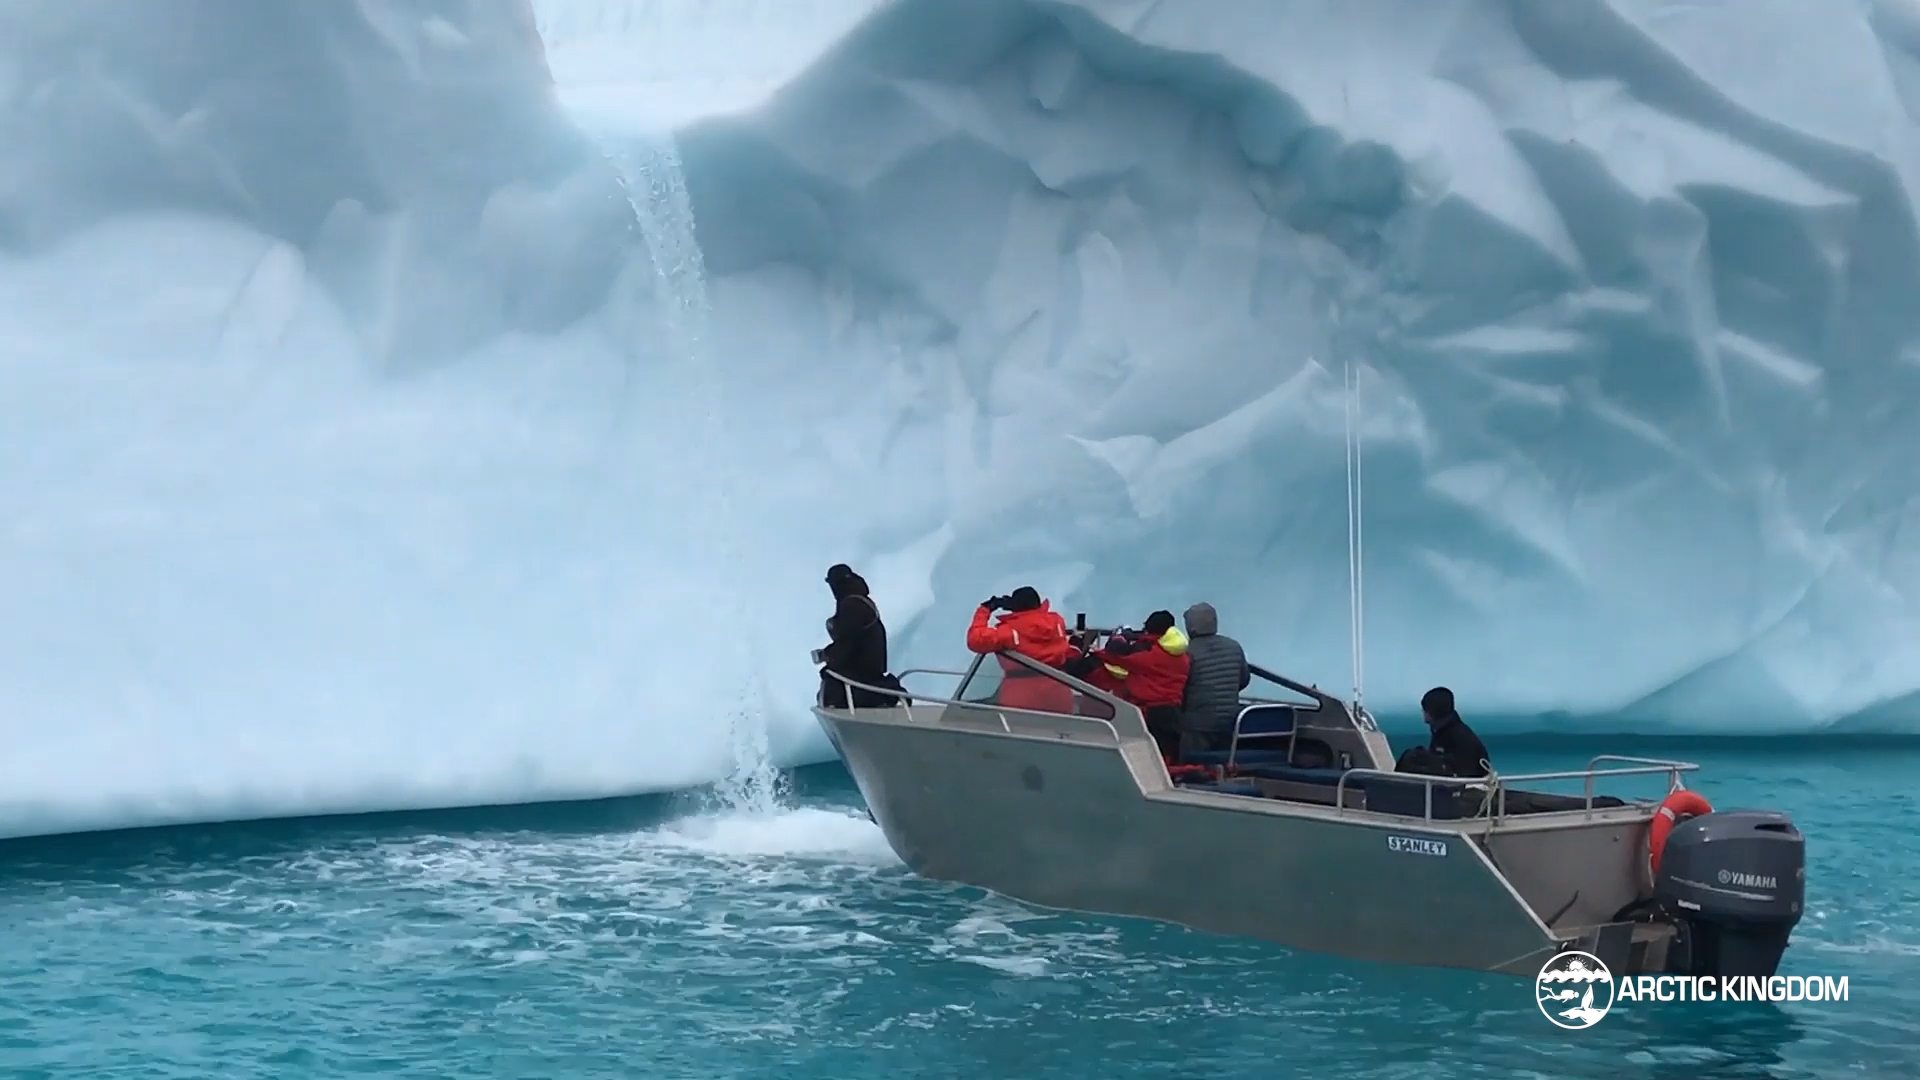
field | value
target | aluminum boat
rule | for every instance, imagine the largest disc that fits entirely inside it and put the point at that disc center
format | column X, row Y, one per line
column 1301, row 833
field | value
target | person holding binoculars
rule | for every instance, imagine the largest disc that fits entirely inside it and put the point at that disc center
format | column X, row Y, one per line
column 1028, row 626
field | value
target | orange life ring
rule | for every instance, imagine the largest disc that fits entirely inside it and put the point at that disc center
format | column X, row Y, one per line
column 1680, row 804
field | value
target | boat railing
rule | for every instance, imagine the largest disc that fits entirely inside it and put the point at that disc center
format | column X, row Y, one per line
column 1497, row 785
column 1254, row 705
column 948, row 672
column 1009, row 716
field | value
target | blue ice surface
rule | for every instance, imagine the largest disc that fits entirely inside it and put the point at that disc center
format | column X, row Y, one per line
column 673, row 936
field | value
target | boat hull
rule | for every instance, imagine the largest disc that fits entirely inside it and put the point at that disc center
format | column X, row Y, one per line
column 1071, row 820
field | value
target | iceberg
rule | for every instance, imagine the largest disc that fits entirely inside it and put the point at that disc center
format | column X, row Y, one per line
column 656, row 64
column 350, row 459
column 388, row 421
column 1628, row 314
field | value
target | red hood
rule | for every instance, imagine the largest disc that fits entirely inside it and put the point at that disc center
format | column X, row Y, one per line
column 1039, row 623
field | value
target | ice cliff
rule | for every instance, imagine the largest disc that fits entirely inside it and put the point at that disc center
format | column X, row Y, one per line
column 363, row 444
column 344, row 458
column 654, row 64
column 1629, row 284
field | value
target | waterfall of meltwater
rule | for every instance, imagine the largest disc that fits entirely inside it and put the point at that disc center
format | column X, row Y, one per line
column 650, row 173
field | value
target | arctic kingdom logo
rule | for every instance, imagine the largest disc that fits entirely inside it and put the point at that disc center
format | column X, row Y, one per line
column 1574, row 990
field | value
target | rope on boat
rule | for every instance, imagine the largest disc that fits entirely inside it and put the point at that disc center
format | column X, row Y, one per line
column 1356, row 593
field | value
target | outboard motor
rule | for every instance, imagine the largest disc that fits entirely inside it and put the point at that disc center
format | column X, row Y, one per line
column 1737, row 884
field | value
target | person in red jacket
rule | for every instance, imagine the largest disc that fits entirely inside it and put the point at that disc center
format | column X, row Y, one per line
column 1033, row 629
column 1151, row 672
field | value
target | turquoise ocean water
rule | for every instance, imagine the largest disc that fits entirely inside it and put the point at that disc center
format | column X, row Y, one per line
column 670, row 937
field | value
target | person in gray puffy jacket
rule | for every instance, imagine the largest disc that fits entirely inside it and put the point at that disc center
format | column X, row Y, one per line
column 1217, row 674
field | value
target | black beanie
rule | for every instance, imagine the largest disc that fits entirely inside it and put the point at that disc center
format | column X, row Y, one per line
column 1437, row 702
column 1024, row 598
column 1158, row 623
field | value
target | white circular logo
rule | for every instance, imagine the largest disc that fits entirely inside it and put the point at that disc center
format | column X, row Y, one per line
column 1726, row 876
column 1574, row 990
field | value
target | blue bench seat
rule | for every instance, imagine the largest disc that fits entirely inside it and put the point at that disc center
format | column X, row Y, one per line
column 1384, row 794
column 1283, row 771
column 1225, row 787
column 1243, row 758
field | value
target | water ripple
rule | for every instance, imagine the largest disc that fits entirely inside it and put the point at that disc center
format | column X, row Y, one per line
column 794, row 944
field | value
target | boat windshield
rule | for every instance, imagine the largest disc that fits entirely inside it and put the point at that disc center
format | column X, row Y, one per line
column 1028, row 687
column 983, row 682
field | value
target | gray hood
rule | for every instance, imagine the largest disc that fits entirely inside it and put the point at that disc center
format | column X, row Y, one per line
column 1202, row 620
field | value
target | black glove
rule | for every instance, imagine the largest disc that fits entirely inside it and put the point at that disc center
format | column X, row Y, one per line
column 994, row 603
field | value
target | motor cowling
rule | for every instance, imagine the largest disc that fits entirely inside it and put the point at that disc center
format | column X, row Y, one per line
column 1737, row 882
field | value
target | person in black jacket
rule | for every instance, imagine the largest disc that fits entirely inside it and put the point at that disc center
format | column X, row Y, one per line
column 1459, row 750
column 858, row 645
